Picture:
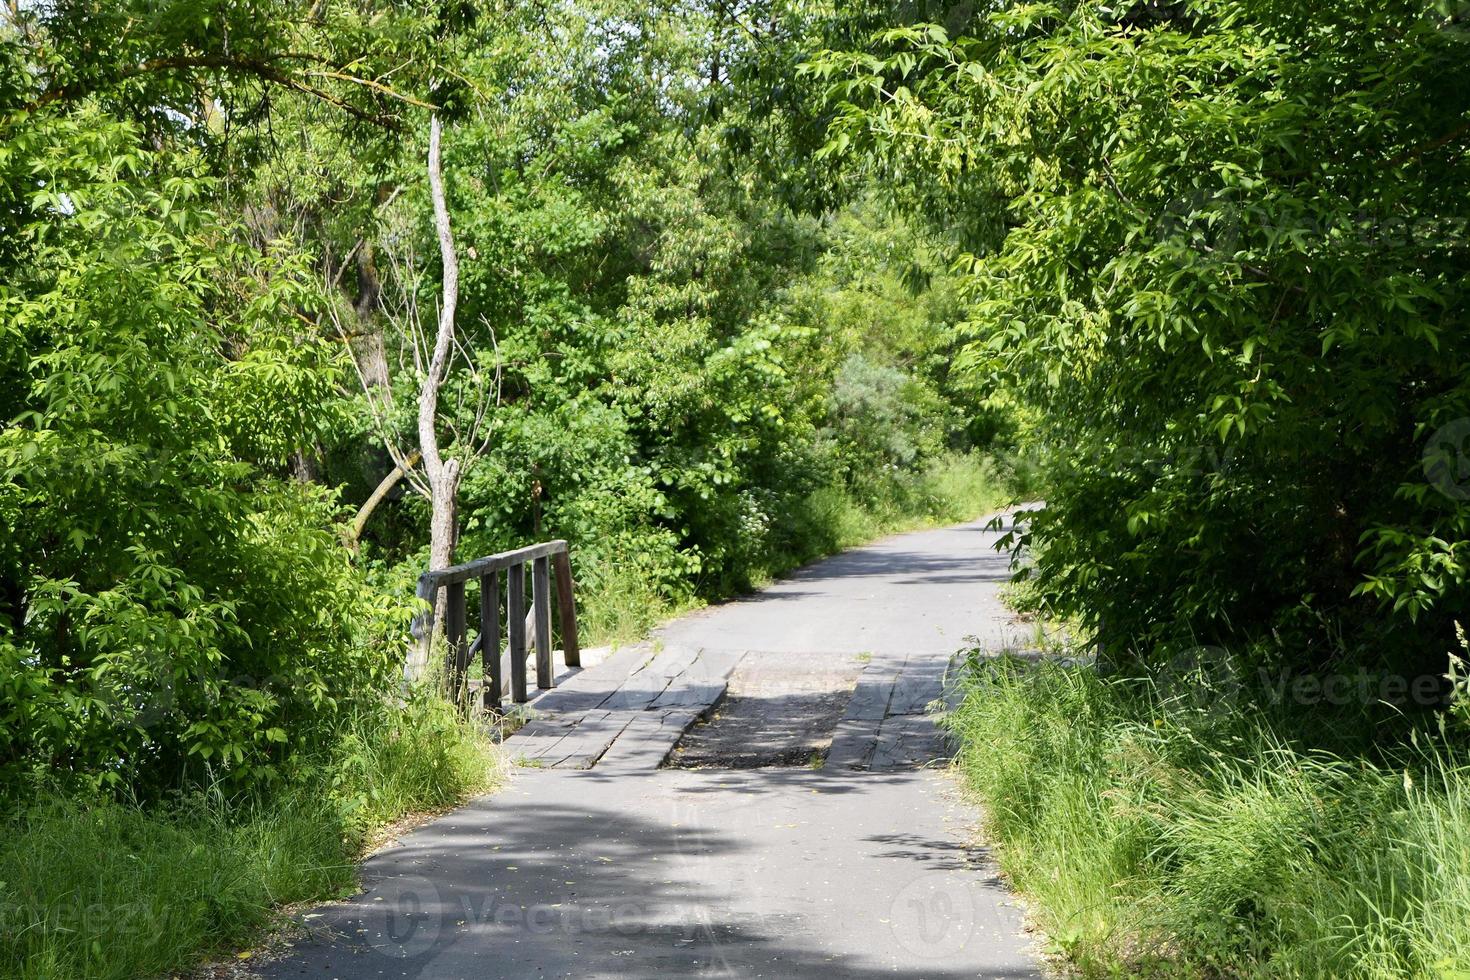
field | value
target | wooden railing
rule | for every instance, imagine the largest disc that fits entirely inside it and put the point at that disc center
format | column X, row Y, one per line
column 546, row 560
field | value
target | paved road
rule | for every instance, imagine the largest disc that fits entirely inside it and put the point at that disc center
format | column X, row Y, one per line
column 921, row 593
column 605, row 865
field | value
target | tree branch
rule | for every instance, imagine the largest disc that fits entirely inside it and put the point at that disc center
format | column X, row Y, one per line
column 259, row 68
column 400, row 469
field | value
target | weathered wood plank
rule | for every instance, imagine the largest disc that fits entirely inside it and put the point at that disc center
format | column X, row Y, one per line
column 587, row 743
column 541, row 608
column 588, row 689
column 909, row 742
column 853, row 743
column 493, row 563
column 919, row 683
column 856, row 737
column 490, row 641
column 515, row 616
column 646, row 684
column 872, row 693
column 702, row 683
column 648, row 739
column 566, row 608
column 457, row 654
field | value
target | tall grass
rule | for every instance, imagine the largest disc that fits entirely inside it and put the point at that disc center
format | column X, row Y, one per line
column 104, row 889
column 1164, row 837
column 620, row 604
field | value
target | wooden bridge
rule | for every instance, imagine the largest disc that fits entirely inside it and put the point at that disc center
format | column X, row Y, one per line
column 545, row 562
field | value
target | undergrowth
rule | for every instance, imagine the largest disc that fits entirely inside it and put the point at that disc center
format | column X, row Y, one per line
column 1160, row 835
column 102, row 888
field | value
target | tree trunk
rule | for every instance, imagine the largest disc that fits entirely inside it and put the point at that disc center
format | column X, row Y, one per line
column 444, row 523
column 443, row 475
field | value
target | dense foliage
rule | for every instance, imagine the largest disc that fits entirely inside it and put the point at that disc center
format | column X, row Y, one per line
column 738, row 285
column 1219, row 247
column 217, row 260
column 172, row 607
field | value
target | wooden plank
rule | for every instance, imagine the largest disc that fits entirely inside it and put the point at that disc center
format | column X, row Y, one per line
column 588, row 689
column 920, row 683
column 515, row 616
column 593, row 737
column 566, row 608
column 853, row 743
column 856, row 737
column 490, row 642
column 643, row 686
column 647, row 740
column 494, row 563
column 541, row 607
column 870, row 697
column 702, row 683
column 457, row 654
column 578, row 748
column 908, row 742
column 423, row 621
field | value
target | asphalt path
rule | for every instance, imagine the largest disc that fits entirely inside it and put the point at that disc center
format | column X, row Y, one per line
column 635, row 871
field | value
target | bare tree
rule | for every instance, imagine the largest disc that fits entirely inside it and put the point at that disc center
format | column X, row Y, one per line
column 464, row 422
column 443, row 474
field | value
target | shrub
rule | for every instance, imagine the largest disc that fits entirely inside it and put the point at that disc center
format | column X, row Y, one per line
column 1168, row 835
column 101, row 888
column 1216, row 250
column 171, row 610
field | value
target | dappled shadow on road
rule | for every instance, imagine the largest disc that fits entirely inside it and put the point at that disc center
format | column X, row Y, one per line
column 541, row 880
column 820, row 781
column 935, row 853
column 906, row 567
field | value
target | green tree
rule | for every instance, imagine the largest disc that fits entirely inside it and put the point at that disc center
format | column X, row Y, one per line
column 173, row 608
column 1219, row 246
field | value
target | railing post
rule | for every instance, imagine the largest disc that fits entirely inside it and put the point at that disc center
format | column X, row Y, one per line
column 457, row 655
column 541, row 604
column 515, row 615
column 491, row 682
column 543, row 559
column 566, row 607
column 423, row 631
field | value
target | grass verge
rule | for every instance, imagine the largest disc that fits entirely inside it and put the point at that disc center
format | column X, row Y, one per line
column 104, row 889
column 1159, row 836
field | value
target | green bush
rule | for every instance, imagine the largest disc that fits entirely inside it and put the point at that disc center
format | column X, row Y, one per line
column 172, row 611
column 97, row 888
column 1216, row 250
column 1186, row 835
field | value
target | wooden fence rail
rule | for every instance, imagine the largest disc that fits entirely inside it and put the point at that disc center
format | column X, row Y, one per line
column 548, row 560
